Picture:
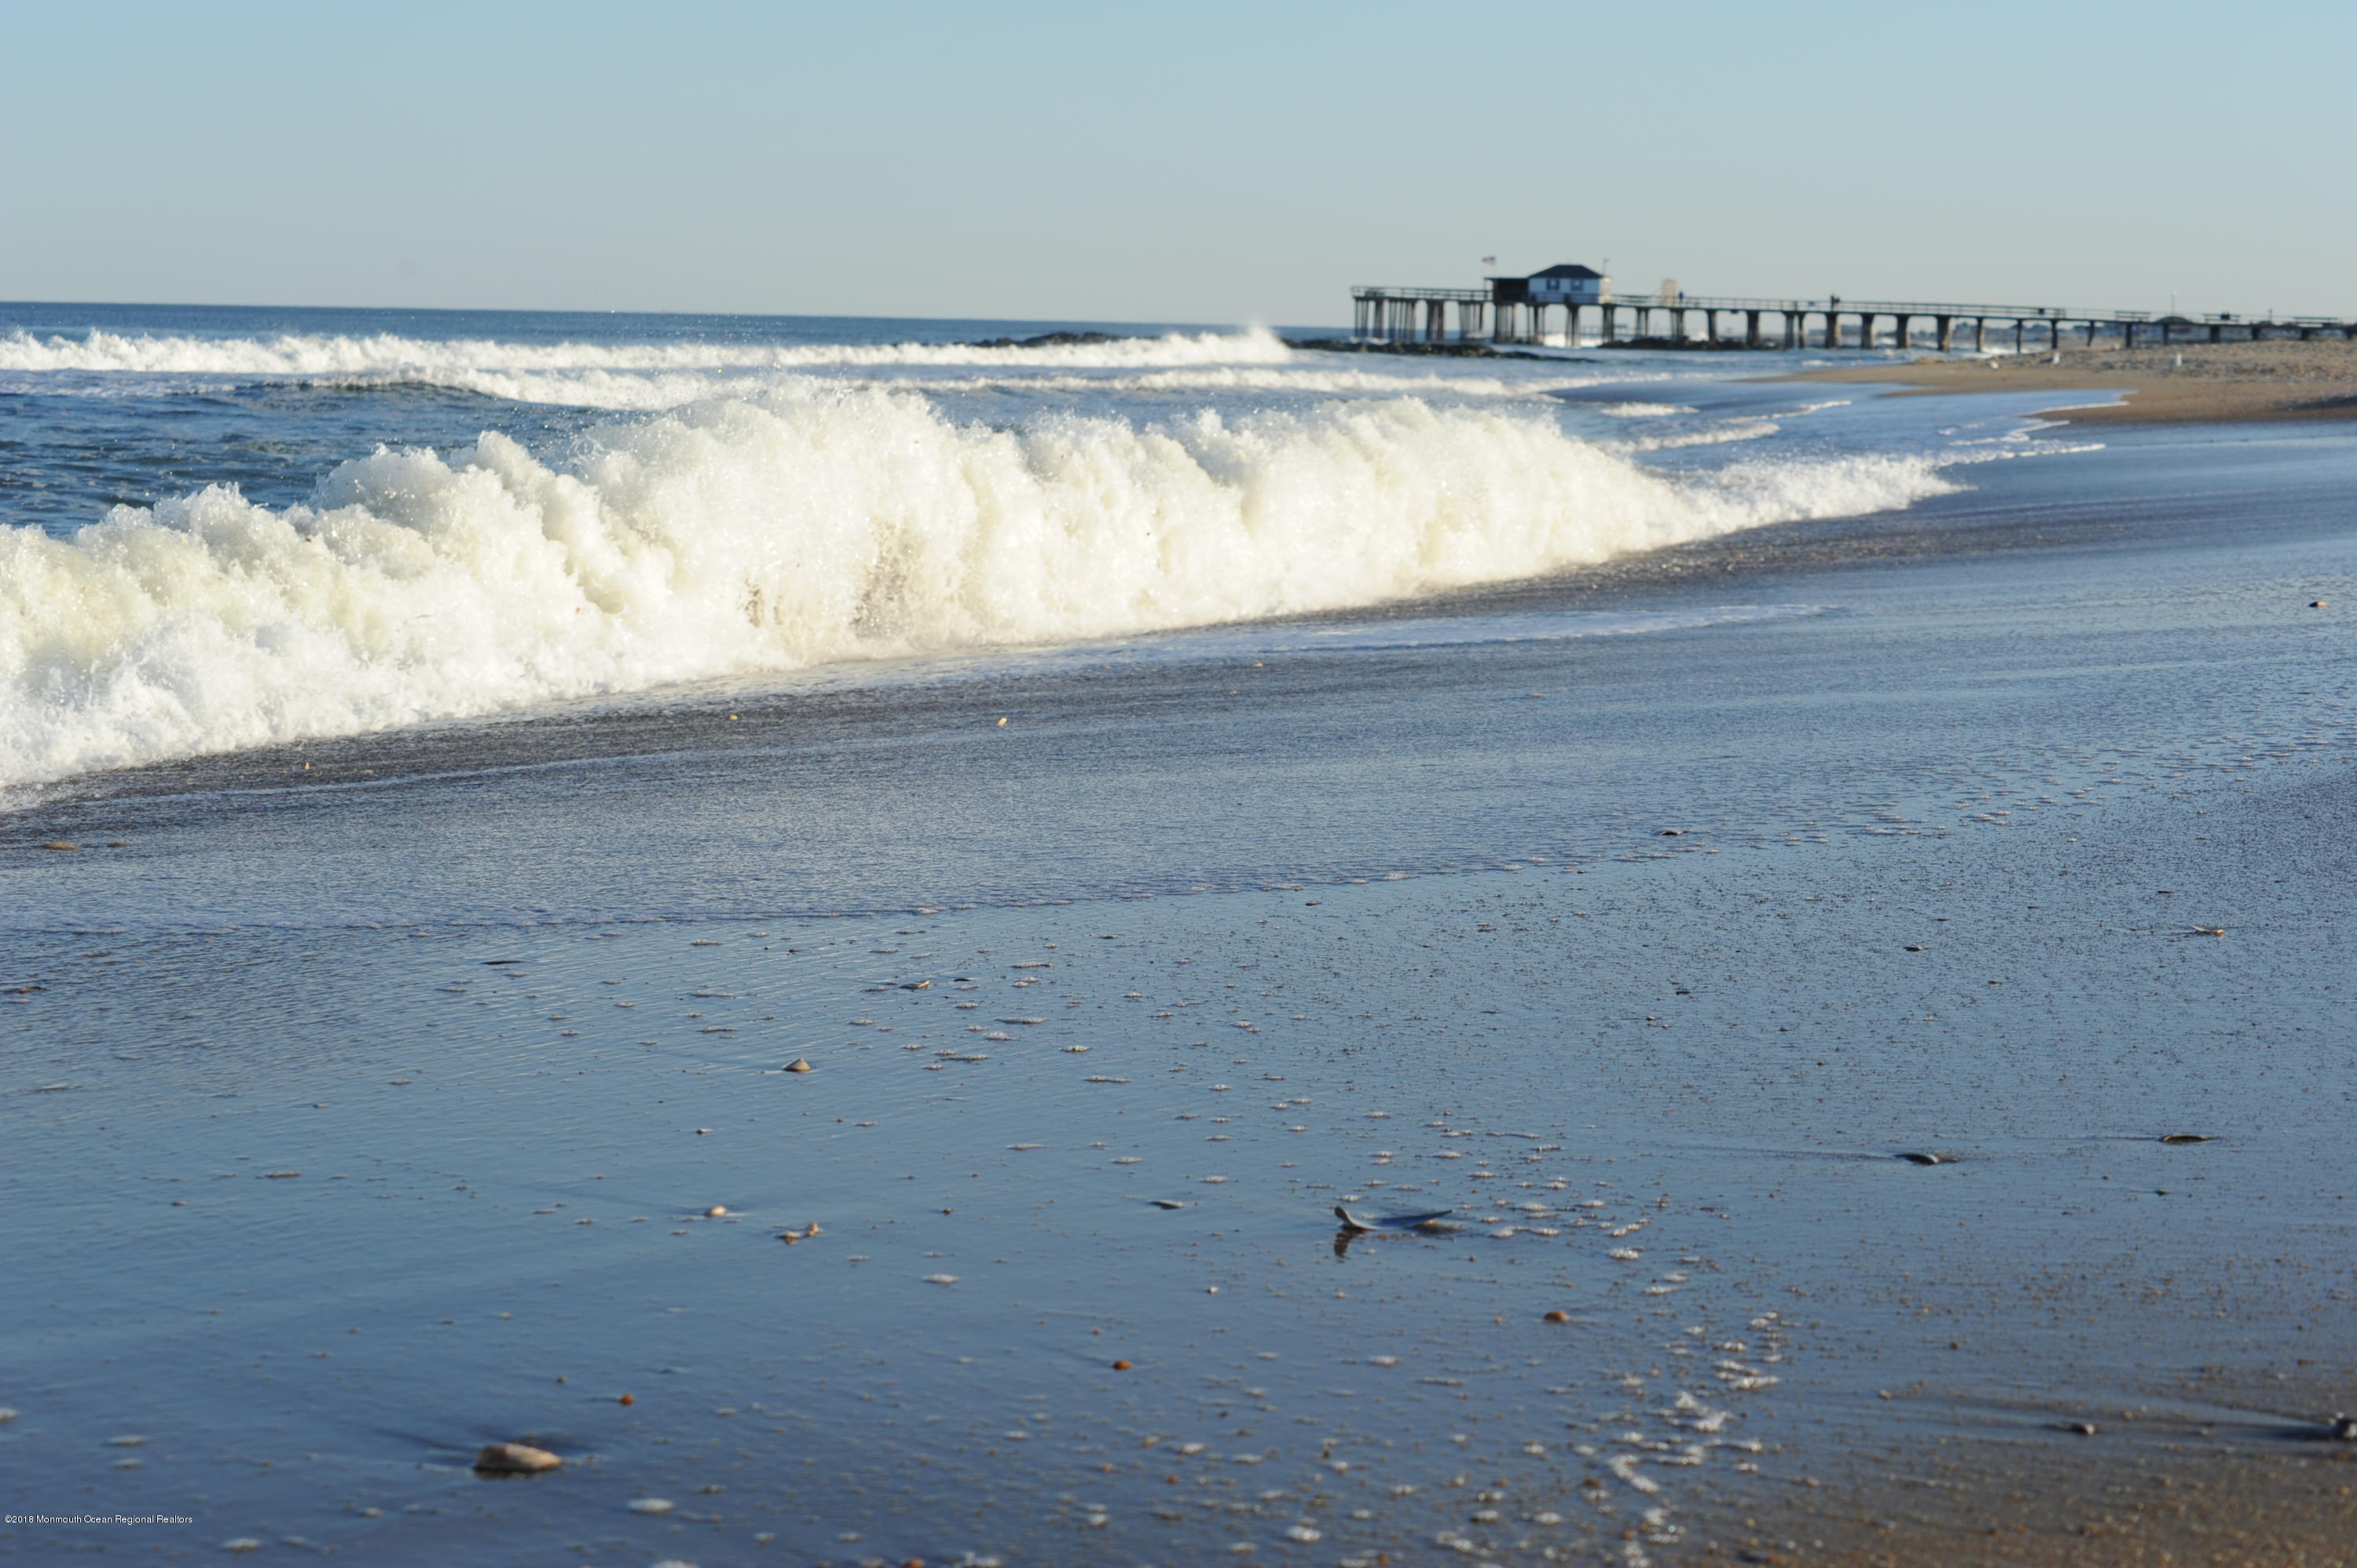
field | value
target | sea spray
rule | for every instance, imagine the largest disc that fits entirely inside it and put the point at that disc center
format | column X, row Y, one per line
column 811, row 524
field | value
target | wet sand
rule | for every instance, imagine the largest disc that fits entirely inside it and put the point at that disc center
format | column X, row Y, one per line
column 1648, row 957
column 2186, row 384
column 2194, row 1502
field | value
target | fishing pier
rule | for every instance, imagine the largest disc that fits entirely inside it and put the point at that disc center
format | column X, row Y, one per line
column 1520, row 310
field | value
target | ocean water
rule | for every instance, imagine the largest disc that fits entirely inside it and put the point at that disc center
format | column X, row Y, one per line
column 233, row 528
column 453, row 767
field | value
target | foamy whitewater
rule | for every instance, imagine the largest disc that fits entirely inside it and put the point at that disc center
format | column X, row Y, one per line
column 792, row 504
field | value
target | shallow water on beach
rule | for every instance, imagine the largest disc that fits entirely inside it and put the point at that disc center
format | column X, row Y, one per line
column 366, row 1093
column 325, row 1210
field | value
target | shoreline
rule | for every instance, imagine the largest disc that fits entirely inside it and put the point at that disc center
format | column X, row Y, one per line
column 1952, row 871
column 2200, row 383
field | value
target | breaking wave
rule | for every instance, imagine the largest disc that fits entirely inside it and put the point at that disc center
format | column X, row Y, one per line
column 643, row 377
column 810, row 524
column 645, row 391
column 389, row 355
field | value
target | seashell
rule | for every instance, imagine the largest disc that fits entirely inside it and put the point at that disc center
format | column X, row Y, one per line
column 515, row 1459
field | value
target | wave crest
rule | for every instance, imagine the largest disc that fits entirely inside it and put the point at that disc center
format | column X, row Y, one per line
column 808, row 525
column 390, row 355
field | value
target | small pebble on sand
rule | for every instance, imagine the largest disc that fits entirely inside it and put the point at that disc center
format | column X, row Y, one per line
column 515, row 1459
column 798, row 1065
column 650, row 1505
column 716, row 1211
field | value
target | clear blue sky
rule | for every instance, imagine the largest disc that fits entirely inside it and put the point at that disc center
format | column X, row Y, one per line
column 1195, row 162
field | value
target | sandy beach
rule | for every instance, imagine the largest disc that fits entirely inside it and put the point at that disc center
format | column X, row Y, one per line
column 2188, row 384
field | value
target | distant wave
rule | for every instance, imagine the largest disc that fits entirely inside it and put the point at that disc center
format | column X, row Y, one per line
column 645, row 378
column 1717, row 434
column 1298, row 377
column 807, row 525
column 625, row 391
column 386, row 354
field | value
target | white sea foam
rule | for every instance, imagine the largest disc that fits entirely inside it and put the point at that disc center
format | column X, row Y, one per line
column 646, row 390
column 645, row 379
column 1716, row 435
column 809, row 525
column 1426, row 631
column 1296, row 377
column 384, row 354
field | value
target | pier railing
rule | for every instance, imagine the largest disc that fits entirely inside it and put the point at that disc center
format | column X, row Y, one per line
column 1388, row 313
